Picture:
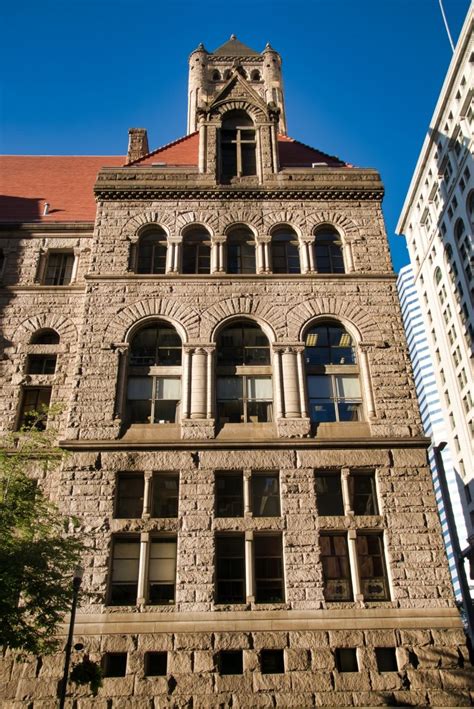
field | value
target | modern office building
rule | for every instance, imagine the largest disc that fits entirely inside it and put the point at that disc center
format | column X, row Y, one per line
column 438, row 222
column 449, row 491
column 220, row 319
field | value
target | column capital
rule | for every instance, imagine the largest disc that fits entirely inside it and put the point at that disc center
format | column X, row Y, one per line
column 120, row 347
column 288, row 347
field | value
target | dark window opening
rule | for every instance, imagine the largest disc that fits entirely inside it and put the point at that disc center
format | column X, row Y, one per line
column 58, row 270
column 255, row 75
column 229, row 495
column 285, row 253
column 41, row 364
column 230, row 568
column 242, row 343
column 268, row 568
column 329, row 494
column 372, row 569
column 162, row 571
column 156, row 664
column 346, row 659
column 45, row 337
column 272, row 662
column 165, row 495
column 197, row 252
column 114, row 664
column 328, row 251
column 216, row 76
column 329, row 344
column 237, row 145
column 230, row 662
column 129, row 496
column 265, row 489
column 363, row 494
column 336, row 569
column 155, row 345
column 386, row 658
column 34, row 408
column 152, row 249
column 125, row 562
column 241, row 256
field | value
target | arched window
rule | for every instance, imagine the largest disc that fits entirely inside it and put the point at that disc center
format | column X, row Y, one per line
column 459, row 231
column 152, row 252
column 332, row 374
column 240, row 250
column 154, row 374
column 450, row 259
column 196, row 251
column 437, row 276
column 328, row 251
column 470, row 209
column 244, row 382
column 237, row 142
column 285, row 251
column 216, row 75
column 255, row 75
column 47, row 336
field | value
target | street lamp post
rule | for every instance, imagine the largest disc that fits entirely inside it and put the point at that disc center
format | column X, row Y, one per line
column 76, row 584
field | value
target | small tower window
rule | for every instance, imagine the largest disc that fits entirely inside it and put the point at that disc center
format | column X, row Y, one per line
column 255, row 75
column 238, row 147
column 216, row 75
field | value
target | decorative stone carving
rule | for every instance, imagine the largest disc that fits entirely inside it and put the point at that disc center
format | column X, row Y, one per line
column 293, row 427
column 197, row 429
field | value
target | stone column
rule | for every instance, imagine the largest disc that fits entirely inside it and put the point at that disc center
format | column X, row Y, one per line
column 354, row 566
column 185, row 382
column 147, row 493
column 247, row 507
column 169, row 257
column 301, row 380
column 210, row 382
column 121, row 350
column 290, row 384
column 349, row 259
column 214, row 256
column 311, row 259
column 249, row 580
column 75, row 265
column 266, row 256
column 176, row 256
column 142, row 567
column 198, row 384
column 366, row 383
column 202, row 145
column 304, row 257
column 277, row 386
column 260, row 257
column 345, row 490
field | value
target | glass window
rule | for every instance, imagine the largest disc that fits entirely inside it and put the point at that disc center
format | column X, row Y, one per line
column 196, row 251
column 372, row 571
column 265, row 489
column 155, row 345
column 45, row 337
column 59, row 267
column 237, row 145
column 156, row 664
column 41, row 364
column 328, row 251
column 242, row 343
column 336, row 569
column 329, row 344
column 363, row 494
column 272, row 662
column 329, row 494
column 230, row 662
column 125, row 563
column 244, row 399
column 34, row 406
column 230, row 568
column 285, row 252
column 129, row 495
column 241, row 251
column 162, row 571
column 152, row 248
column 268, row 568
column 165, row 495
column 229, row 495
column 334, row 398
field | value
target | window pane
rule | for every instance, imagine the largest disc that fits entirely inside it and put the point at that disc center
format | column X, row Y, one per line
column 230, row 411
column 362, row 492
column 319, row 387
column 230, row 569
column 165, row 495
column 165, row 411
column 259, row 388
column 139, row 388
column 41, row 364
column 349, row 412
column 162, row 571
column 129, row 503
column 268, row 568
column 125, row 562
column 168, row 388
column 371, row 561
column 229, row 387
column 35, row 402
column 265, row 495
column 346, row 659
column 329, row 494
column 336, row 570
column 229, row 495
column 322, row 411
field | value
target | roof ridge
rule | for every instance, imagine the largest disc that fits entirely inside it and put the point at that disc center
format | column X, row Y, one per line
column 163, row 147
column 310, row 147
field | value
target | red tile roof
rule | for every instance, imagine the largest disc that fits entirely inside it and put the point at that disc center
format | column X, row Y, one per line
column 65, row 182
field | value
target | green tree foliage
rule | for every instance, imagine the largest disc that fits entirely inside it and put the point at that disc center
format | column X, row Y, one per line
column 38, row 551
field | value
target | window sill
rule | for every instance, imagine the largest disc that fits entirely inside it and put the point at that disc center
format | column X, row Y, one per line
column 341, row 429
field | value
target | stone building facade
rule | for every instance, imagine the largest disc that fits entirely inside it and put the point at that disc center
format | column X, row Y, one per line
column 246, row 455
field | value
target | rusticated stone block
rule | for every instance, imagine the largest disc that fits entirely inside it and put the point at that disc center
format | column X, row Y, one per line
column 311, row 681
column 193, row 641
column 448, row 699
column 203, row 661
column 273, row 683
column 297, row 660
column 351, row 681
column 231, row 641
column 180, row 663
column 268, row 641
column 308, row 639
column 346, row 638
column 294, row 699
column 334, row 699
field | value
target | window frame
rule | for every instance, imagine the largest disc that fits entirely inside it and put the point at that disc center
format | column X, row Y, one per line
column 62, row 274
column 328, row 237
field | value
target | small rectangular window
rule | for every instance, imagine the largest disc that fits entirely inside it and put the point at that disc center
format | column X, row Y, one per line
column 165, row 495
column 230, row 662
column 268, row 568
column 363, row 494
column 162, row 571
column 346, row 659
column 129, row 496
column 372, row 570
column 329, row 494
column 230, row 568
column 34, row 403
column 272, row 662
column 156, row 664
column 336, row 569
column 114, row 664
column 265, row 489
column 229, row 495
column 386, row 658
column 125, row 563
column 59, row 267
column 41, row 364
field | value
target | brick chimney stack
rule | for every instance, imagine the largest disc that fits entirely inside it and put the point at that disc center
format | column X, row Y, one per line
column 137, row 144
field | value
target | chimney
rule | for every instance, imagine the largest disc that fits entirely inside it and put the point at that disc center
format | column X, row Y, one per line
column 137, row 144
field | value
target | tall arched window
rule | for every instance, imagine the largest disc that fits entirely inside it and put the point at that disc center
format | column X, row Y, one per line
column 196, row 251
column 216, row 75
column 255, row 75
column 332, row 374
column 328, row 251
column 470, row 209
column 244, row 382
column 437, row 275
column 154, row 374
column 459, row 231
column 238, row 147
column 240, row 250
column 285, row 251
column 152, row 251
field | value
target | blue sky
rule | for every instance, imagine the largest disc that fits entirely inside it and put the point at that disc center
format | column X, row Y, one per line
column 361, row 77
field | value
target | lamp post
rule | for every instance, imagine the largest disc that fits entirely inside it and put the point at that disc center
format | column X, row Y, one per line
column 76, row 584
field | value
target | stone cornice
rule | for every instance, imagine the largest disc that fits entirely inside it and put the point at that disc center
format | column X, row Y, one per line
column 53, row 228
column 142, row 192
column 259, row 278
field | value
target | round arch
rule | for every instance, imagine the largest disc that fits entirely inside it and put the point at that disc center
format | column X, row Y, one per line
column 254, row 319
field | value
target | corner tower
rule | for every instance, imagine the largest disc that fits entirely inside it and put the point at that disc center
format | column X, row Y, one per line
column 209, row 73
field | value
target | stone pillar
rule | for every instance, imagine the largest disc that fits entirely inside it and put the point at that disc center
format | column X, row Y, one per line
column 366, row 383
column 345, row 490
column 219, row 264
column 249, row 580
column 266, row 256
column 169, row 257
column 247, row 506
column 202, row 145
column 277, row 383
column 304, row 257
column 354, row 566
column 147, row 493
column 142, row 567
column 348, row 256
column 301, row 380
column 75, row 265
column 214, row 256
column 210, row 382
column 198, row 384
column 260, row 257
column 185, row 382
column 121, row 350
column 311, row 259
column 176, row 256
column 290, row 384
